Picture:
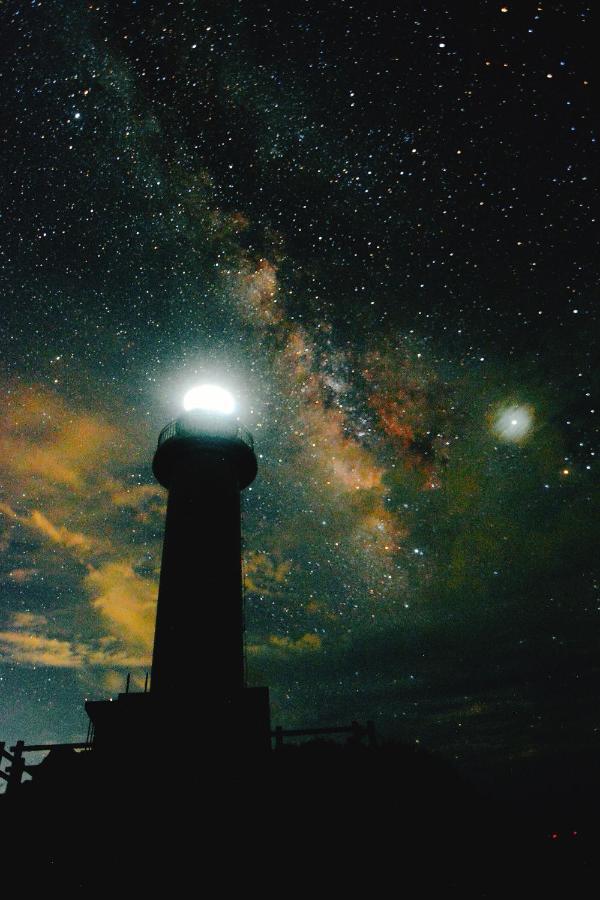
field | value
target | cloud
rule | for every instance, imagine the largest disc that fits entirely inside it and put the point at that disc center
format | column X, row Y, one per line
column 42, row 438
column 115, row 656
column 37, row 650
column 22, row 575
column 28, row 620
column 126, row 601
column 135, row 496
column 147, row 501
column 30, row 648
column 264, row 576
column 306, row 643
column 58, row 534
column 26, row 641
column 61, row 466
column 112, row 682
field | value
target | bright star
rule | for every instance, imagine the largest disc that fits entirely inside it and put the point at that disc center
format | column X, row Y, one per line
column 513, row 423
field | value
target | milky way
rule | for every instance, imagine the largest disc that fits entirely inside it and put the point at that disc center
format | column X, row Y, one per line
column 377, row 229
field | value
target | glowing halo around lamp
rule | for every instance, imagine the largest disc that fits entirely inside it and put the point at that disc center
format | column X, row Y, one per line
column 514, row 423
column 210, row 398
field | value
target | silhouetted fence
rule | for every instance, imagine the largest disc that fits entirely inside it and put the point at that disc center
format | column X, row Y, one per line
column 357, row 732
column 13, row 773
column 18, row 767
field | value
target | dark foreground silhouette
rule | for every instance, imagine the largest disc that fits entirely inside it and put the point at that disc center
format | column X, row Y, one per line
column 322, row 819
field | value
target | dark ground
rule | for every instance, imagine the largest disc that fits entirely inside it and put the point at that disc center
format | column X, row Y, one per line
column 322, row 819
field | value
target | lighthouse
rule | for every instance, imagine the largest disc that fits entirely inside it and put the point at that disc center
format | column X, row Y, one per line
column 204, row 459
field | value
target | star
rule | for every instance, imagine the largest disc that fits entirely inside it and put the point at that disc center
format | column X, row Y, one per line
column 514, row 423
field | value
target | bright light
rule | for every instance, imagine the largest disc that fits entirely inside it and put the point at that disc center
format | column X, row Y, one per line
column 513, row 423
column 209, row 397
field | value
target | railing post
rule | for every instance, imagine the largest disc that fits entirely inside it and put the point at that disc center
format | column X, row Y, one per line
column 17, row 767
column 278, row 737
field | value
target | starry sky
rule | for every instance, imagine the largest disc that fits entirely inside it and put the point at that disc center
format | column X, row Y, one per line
column 377, row 227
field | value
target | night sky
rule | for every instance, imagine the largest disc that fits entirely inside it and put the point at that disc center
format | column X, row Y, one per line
column 377, row 227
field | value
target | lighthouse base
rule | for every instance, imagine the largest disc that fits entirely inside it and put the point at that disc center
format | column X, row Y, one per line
column 136, row 724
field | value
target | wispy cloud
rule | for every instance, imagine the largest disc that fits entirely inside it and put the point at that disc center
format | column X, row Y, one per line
column 28, row 640
column 63, row 494
column 57, row 534
column 27, row 647
column 125, row 600
column 306, row 643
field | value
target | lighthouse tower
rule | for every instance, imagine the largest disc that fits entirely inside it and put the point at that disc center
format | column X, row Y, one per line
column 204, row 459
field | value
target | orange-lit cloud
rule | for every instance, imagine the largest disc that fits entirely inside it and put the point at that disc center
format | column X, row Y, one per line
column 28, row 620
column 36, row 650
column 306, row 643
column 26, row 640
column 58, row 534
column 264, row 576
column 147, row 501
column 126, row 602
column 46, row 444
column 22, row 575
column 58, row 466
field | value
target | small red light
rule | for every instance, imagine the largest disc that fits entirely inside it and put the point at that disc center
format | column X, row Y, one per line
column 554, row 835
column 573, row 834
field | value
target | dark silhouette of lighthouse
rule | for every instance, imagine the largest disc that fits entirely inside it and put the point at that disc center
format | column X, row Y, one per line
column 205, row 458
